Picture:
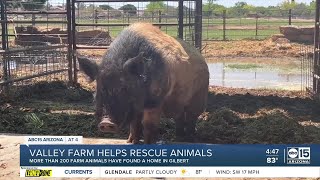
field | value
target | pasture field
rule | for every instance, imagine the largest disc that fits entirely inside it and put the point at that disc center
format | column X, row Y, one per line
column 212, row 28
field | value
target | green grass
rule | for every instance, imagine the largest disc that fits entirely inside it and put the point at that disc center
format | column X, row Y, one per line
column 243, row 66
column 285, row 69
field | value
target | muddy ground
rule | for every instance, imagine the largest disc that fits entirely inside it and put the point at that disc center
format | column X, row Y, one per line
column 240, row 48
column 233, row 115
column 247, row 48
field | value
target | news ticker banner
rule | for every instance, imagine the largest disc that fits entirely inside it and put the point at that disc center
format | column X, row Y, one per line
column 186, row 172
column 61, row 156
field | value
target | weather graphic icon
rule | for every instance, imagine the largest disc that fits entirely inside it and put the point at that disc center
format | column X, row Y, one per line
column 183, row 171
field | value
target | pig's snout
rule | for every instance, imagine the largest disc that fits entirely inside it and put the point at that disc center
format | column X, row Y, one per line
column 107, row 126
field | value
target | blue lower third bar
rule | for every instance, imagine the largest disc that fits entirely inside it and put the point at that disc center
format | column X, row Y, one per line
column 170, row 155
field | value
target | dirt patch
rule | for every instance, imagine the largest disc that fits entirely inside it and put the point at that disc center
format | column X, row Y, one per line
column 241, row 27
column 233, row 115
column 96, row 54
column 214, row 50
column 251, row 48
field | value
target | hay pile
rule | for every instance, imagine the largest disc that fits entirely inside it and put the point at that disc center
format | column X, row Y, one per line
column 267, row 48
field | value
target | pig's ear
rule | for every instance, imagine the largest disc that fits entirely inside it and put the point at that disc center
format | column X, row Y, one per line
column 89, row 67
column 135, row 65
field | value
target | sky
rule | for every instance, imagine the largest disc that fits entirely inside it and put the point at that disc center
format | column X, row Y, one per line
column 226, row 3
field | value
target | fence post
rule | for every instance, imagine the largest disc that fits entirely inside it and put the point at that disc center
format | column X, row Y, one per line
column 180, row 20
column 128, row 17
column 198, row 25
column 152, row 14
column 4, row 32
column 290, row 16
column 316, row 85
column 160, row 18
column 257, row 17
column 108, row 19
column 69, row 31
column 33, row 18
column 74, row 42
column 96, row 16
column 224, row 24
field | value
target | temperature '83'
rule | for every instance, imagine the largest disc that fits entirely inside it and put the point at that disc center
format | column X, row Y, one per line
column 272, row 160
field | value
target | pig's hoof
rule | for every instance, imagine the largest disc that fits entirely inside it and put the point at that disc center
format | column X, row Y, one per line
column 130, row 139
column 133, row 141
column 180, row 139
column 190, row 139
column 136, row 141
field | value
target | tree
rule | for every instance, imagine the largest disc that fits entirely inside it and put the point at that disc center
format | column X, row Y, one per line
column 129, row 8
column 238, row 9
column 312, row 8
column 155, row 6
column 171, row 11
column 287, row 4
column 301, row 9
column 240, row 4
column 105, row 7
column 249, row 8
column 210, row 9
column 263, row 11
column 210, row 4
column 312, row 5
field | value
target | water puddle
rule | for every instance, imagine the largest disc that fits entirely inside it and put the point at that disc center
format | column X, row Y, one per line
column 256, row 73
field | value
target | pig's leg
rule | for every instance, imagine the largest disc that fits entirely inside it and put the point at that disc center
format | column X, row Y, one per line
column 135, row 130
column 190, row 125
column 194, row 110
column 180, row 125
column 151, row 121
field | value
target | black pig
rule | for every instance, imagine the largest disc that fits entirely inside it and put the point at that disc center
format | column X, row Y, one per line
column 145, row 74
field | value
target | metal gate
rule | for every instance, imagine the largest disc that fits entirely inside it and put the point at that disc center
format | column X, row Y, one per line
column 25, row 60
column 35, row 60
column 187, row 21
column 310, row 62
column 316, row 57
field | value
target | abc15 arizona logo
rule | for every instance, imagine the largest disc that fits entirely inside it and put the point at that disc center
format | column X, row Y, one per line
column 298, row 155
column 38, row 173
